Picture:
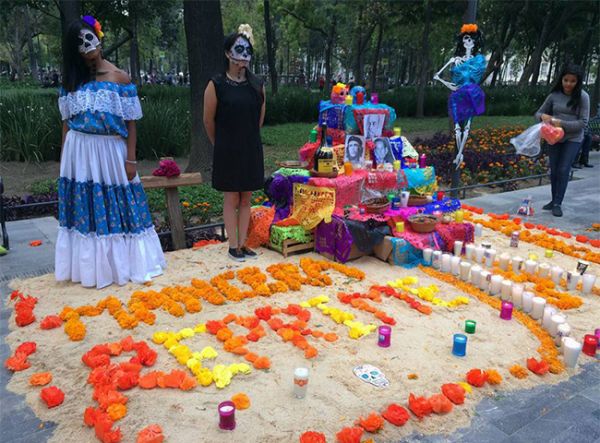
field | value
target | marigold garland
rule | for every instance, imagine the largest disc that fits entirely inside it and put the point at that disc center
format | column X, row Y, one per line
column 356, row 300
column 518, row 371
column 547, row 349
column 427, row 293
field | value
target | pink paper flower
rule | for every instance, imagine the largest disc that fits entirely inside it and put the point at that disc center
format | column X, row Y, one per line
column 167, row 168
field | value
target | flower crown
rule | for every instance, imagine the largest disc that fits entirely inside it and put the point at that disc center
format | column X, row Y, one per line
column 95, row 24
column 246, row 30
column 469, row 28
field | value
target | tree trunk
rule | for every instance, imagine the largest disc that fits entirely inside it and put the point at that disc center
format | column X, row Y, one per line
column 595, row 93
column 424, row 63
column 204, row 38
column 134, row 53
column 376, row 57
column 270, row 40
column 70, row 10
column 30, row 48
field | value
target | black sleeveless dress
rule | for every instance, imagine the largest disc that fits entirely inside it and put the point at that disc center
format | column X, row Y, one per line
column 238, row 164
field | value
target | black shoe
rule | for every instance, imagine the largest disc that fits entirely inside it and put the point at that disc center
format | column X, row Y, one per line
column 236, row 254
column 548, row 206
column 576, row 166
column 249, row 253
column 557, row 211
column 587, row 165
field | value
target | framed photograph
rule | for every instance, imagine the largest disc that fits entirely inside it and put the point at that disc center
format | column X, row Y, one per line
column 354, row 149
column 382, row 151
column 373, row 125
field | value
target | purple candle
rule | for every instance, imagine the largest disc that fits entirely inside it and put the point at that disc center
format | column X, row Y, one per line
column 385, row 336
column 506, row 310
column 374, row 98
column 227, row 415
column 597, row 334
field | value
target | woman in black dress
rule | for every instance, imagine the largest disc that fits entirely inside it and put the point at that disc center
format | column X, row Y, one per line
column 234, row 111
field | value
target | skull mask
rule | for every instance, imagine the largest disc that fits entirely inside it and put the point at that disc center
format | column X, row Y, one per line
column 468, row 42
column 88, row 41
column 241, row 51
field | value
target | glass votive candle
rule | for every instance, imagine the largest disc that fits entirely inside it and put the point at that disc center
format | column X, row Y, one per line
column 489, row 255
column 469, row 251
column 517, row 295
column 227, row 415
column 446, row 263
column 530, row 266
column 459, row 345
column 478, row 230
column 506, row 310
column 516, row 264
column 527, row 301
column 458, row 245
column 588, row 283
column 563, row 330
column 549, row 311
column 400, row 226
column 455, row 265
column 427, row 255
column 479, row 251
column 556, row 274
column 459, row 216
column 475, row 275
column 571, row 350
column 348, row 168
column 597, row 334
column 555, row 321
column 385, row 336
column 470, row 326
column 506, row 290
column 544, row 270
column 537, row 310
column 465, row 267
column 590, row 345
column 300, row 382
column 503, row 260
column 436, row 259
column 573, row 278
column 484, row 280
column 496, row 284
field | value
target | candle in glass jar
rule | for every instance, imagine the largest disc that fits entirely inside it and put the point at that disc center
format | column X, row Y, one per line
column 517, row 295
column 571, row 350
column 446, row 264
column 478, row 229
column 597, row 334
column 549, row 311
column 226, row 415
column 506, row 289
column 555, row 321
column 470, row 326
column 527, row 301
column 588, row 283
column 465, row 267
column 484, row 280
column 537, row 311
column 385, row 336
column 516, row 264
column 573, row 278
column 427, row 253
column 458, row 245
column 490, row 255
column 399, row 226
column 348, row 168
column 475, row 275
column 459, row 345
column 469, row 251
column 300, row 382
column 549, row 253
column 506, row 310
column 496, row 284
column 556, row 274
column 590, row 345
column 530, row 266
column 436, row 259
column 459, row 216
column 503, row 261
column 455, row 265
column 544, row 270
column 563, row 330
column 479, row 251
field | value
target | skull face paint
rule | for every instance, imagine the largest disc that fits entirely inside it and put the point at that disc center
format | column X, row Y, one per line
column 241, row 51
column 88, row 41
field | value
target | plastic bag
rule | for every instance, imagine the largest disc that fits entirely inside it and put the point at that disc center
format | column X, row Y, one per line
column 552, row 134
column 528, row 142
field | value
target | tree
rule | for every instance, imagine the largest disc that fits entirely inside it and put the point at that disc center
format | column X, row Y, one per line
column 424, row 60
column 271, row 46
column 204, row 37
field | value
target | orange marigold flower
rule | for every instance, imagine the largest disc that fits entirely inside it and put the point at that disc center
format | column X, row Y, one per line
column 372, row 423
column 241, row 401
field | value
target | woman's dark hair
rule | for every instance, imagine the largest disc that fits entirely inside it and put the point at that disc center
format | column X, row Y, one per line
column 75, row 71
column 576, row 94
column 254, row 81
column 477, row 39
column 354, row 138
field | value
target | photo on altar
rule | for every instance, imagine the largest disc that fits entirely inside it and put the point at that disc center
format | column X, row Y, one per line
column 382, row 152
column 373, row 125
column 354, row 150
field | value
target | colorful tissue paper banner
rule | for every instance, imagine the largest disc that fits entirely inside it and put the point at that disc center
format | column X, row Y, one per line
column 312, row 204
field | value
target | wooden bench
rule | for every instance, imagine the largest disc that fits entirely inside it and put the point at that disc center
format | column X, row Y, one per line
column 170, row 186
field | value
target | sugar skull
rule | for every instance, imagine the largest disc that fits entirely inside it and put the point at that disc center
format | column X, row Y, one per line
column 338, row 93
column 371, row 374
column 88, row 41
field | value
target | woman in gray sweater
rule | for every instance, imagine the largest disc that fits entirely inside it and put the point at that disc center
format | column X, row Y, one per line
column 568, row 107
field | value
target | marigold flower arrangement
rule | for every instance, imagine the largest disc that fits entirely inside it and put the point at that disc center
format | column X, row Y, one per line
column 23, row 308
column 427, row 293
column 18, row 361
column 372, row 423
column 518, row 371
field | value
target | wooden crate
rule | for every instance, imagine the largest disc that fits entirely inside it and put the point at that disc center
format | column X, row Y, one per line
column 290, row 245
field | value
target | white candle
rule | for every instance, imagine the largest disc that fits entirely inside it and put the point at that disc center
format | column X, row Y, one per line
column 563, row 330
column 496, row 284
column 556, row 273
column 484, row 280
column 517, row 295
column 573, row 278
column 506, row 289
column 530, row 266
column 455, row 265
column 427, row 253
column 490, row 255
column 479, row 250
column 446, row 265
column 516, row 264
column 555, row 321
column 537, row 311
column 504, row 259
column 469, row 251
column 527, row 301
column 588, row 283
column 458, row 245
column 475, row 275
column 465, row 267
column 544, row 270
column 436, row 259
column 571, row 351
column 549, row 311
column 478, row 230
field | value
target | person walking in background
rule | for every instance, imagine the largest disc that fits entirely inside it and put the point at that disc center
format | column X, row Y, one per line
column 234, row 112
column 106, row 233
column 567, row 107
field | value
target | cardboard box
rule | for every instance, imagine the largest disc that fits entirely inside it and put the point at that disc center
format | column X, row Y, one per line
column 383, row 251
column 354, row 254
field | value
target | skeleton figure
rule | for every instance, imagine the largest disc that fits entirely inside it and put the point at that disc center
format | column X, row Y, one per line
column 467, row 99
column 88, row 41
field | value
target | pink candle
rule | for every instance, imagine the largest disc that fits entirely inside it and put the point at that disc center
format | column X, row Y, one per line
column 227, row 415
column 506, row 310
column 385, row 336
column 597, row 334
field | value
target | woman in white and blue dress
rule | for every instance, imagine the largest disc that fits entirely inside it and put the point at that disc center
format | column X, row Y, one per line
column 106, row 234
